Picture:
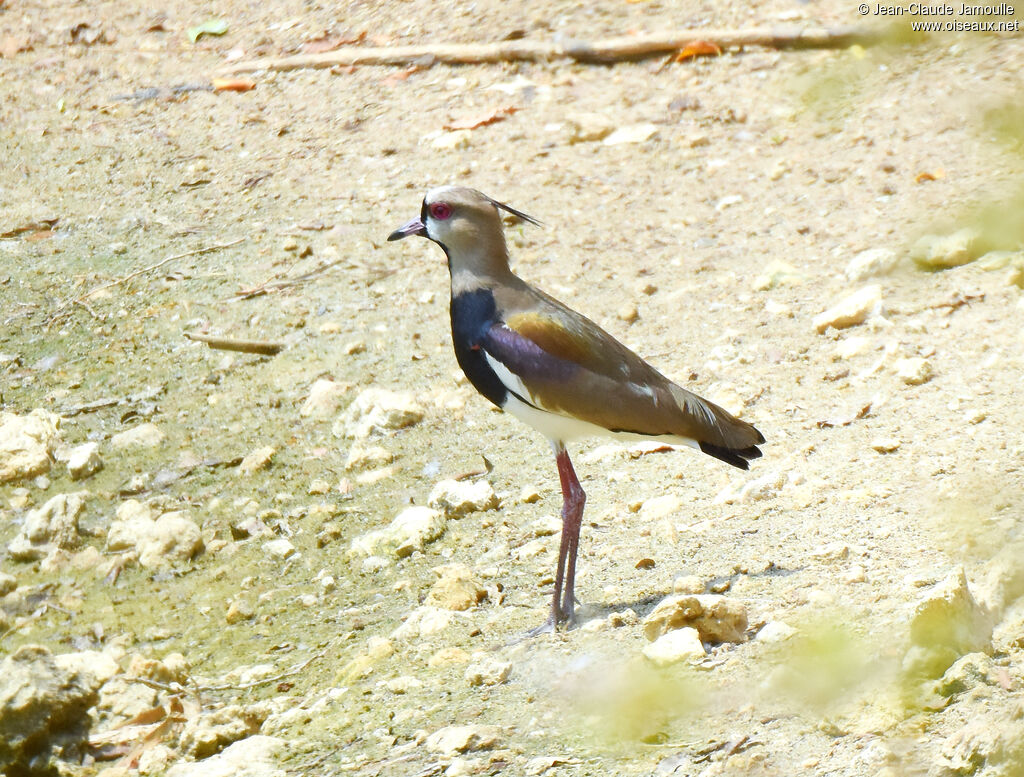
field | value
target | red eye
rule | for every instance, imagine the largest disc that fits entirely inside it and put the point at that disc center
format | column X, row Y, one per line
column 440, row 211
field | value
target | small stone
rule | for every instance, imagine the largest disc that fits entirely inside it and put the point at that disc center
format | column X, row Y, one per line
column 84, row 460
column 914, row 370
column 947, row 623
column 324, row 398
column 376, row 411
column 940, row 252
column 589, row 127
column 688, row 584
column 364, row 457
column 777, row 273
column 855, row 574
column 546, row 526
column 354, row 347
column 728, row 201
column 675, row 646
column 885, row 444
column 27, row 444
column 775, row 631
column 146, row 435
column 403, row 684
column 422, row 622
column 7, row 583
column 279, row 548
column 318, row 487
column 253, row 756
column 330, row 328
column 457, row 498
column 871, row 264
column 659, row 507
column 778, row 308
column 161, row 541
column 717, row 618
column 238, row 611
column 967, row 672
column 489, row 671
column 851, row 310
column 850, row 347
column 449, row 656
column 413, row 528
column 632, row 133
column 452, row 141
column 528, row 495
column 52, row 526
column 628, row 312
column 257, row 460
column 452, row 740
column 457, row 588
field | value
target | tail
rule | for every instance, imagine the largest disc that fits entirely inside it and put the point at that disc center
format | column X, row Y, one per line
column 717, row 431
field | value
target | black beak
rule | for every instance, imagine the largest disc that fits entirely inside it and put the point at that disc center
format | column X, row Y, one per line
column 414, row 227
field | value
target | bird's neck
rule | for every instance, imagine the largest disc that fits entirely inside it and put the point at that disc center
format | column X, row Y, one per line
column 476, row 269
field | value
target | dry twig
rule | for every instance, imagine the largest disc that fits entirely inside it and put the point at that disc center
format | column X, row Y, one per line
column 599, row 52
column 264, row 347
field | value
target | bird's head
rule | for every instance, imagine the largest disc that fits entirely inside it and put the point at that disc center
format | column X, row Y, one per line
column 466, row 224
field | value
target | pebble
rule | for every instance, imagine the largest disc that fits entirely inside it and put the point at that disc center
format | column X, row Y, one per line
column 947, row 623
column 376, row 411
column 451, row 141
column 457, row 588
column 940, row 252
column 488, row 671
column 528, row 495
column 422, row 622
column 777, row 273
column 914, row 370
column 628, row 312
column 546, row 526
column 589, row 127
column 160, row 541
column 632, row 133
column 403, row 684
column 413, row 528
column 457, row 498
column 363, row 457
column 871, row 263
column 449, row 656
column 967, row 672
column 324, row 398
column 717, row 618
column 279, row 548
column 851, row 310
column 451, row 740
column 254, row 756
column 47, row 528
column 674, row 646
column 688, row 584
column 257, row 459
column 238, row 611
column 146, row 435
column 775, row 631
column 885, row 444
column 84, row 461
column 330, row 328
column 659, row 507
column 851, row 347
column 27, row 444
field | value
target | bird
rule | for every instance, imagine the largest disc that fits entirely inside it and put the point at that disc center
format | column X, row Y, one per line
column 554, row 368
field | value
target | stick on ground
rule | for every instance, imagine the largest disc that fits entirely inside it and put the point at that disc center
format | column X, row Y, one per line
column 263, row 347
column 599, row 52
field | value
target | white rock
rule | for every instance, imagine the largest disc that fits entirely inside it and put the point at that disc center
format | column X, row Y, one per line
column 871, row 263
column 546, row 526
column 488, row 671
column 27, row 444
column 452, row 740
column 458, row 497
column 775, row 631
column 675, row 646
column 851, row 310
column 324, row 398
column 633, row 133
column 660, row 506
column 279, row 548
column 54, row 525
column 764, row 487
column 84, row 460
column 250, row 757
column 146, row 435
column 939, row 252
column 100, row 665
column 413, row 528
column 257, row 459
column 161, row 541
column 777, row 273
column 850, row 347
column 362, row 457
column 422, row 622
column 914, row 370
column 457, row 588
column 403, row 684
column 716, row 617
column 376, row 411
column 589, row 127
column 457, row 139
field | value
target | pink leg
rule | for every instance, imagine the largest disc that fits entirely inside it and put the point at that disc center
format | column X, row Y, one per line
column 573, row 500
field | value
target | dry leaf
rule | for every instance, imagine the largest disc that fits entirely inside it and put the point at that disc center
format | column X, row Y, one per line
column 483, row 119
column 233, row 84
column 934, row 175
column 331, row 42
column 401, row 75
column 698, row 48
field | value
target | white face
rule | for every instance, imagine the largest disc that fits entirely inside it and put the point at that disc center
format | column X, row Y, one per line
column 439, row 215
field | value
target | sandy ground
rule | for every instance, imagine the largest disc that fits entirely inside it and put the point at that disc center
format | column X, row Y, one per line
column 728, row 230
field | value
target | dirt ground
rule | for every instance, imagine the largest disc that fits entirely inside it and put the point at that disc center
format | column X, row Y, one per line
column 727, row 230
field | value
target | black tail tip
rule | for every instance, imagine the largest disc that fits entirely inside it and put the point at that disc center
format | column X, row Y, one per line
column 738, row 457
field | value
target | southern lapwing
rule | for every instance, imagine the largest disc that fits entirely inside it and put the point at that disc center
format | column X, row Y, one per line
column 555, row 369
